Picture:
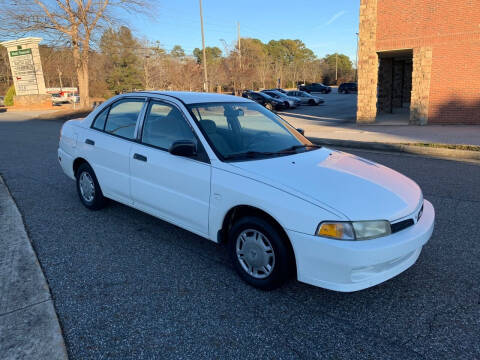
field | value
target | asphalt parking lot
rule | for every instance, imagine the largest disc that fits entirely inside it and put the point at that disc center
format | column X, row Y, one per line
column 127, row 285
column 337, row 109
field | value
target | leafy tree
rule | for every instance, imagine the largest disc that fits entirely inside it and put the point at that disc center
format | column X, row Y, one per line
column 177, row 52
column 212, row 54
column 344, row 67
column 120, row 49
column 9, row 96
column 76, row 21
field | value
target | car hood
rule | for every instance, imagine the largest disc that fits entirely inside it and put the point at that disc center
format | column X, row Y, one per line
column 358, row 188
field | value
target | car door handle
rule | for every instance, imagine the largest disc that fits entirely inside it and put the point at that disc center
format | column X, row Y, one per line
column 89, row 142
column 139, row 157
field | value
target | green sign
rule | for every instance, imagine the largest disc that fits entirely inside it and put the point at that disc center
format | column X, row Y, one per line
column 20, row 52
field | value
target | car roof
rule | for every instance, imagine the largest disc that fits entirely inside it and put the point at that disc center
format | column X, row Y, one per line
column 190, row 97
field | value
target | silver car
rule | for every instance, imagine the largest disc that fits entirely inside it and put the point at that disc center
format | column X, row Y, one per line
column 289, row 101
column 306, row 98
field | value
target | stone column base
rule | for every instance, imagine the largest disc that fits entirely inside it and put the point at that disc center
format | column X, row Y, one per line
column 422, row 69
column 32, row 100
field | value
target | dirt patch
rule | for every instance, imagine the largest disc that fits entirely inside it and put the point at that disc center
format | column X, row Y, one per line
column 64, row 115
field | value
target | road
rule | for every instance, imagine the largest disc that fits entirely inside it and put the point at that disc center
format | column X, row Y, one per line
column 127, row 285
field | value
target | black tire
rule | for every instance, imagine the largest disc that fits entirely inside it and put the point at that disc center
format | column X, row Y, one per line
column 286, row 104
column 98, row 201
column 311, row 102
column 283, row 259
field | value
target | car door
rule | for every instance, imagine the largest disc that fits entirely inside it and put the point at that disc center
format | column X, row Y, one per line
column 258, row 98
column 171, row 187
column 107, row 146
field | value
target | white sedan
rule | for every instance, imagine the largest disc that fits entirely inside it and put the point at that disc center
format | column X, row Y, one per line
column 229, row 170
column 306, row 98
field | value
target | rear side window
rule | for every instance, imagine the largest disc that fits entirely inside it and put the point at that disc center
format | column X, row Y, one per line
column 99, row 123
column 123, row 116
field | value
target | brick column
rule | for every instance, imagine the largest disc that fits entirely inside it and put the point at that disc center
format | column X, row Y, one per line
column 367, row 63
column 421, row 74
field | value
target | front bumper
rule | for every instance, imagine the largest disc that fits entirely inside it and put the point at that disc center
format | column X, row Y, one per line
column 355, row 265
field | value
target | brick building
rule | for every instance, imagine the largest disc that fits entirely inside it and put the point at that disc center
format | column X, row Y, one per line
column 421, row 56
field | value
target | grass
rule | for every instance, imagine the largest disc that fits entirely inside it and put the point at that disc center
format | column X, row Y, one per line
column 446, row 146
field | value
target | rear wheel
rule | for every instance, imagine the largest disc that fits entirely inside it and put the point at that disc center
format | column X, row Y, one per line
column 88, row 188
column 259, row 253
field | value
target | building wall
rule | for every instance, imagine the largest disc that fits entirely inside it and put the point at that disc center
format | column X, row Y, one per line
column 450, row 29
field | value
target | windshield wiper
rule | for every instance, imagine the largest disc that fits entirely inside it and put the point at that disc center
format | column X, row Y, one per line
column 248, row 154
column 295, row 147
column 254, row 154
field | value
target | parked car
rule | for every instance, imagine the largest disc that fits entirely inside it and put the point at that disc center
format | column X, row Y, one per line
column 73, row 98
column 229, row 170
column 347, row 88
column 58, row 99
column 289, row 101
column 315, row 87
column 263, row 99
column 306, row 98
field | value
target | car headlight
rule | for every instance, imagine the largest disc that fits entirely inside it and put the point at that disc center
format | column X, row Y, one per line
column 354, row 230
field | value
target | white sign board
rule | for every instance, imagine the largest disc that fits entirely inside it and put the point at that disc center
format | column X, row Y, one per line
column 23, row 71
column 26, row 65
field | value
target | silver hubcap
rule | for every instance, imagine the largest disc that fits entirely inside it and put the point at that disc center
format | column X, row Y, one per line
column 255, row 253
column 87, row 187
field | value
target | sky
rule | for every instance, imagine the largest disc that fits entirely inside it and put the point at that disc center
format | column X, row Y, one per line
column 325, row 26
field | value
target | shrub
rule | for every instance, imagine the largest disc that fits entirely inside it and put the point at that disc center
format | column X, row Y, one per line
column 9, row 96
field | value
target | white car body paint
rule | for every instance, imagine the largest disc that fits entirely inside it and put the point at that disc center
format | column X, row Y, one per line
column 299, row 191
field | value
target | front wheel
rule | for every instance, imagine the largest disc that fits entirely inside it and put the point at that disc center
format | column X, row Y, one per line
column 287, row 105
column 88, row 188
column 259, row 253
column 311, row 102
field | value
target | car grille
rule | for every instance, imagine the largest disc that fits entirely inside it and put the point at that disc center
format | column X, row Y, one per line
column 401, row 225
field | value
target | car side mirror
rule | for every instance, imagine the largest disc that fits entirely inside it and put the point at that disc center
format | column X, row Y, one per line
column 301, row 131
column 185, row 148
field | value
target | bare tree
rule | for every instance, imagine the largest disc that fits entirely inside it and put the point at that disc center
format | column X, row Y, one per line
column 77, row 21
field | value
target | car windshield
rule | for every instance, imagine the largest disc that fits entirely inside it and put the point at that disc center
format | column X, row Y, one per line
column 272, row 94
column 239, row 131
column 278, row 93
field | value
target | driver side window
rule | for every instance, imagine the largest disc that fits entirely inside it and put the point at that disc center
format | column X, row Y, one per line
column 165, row 124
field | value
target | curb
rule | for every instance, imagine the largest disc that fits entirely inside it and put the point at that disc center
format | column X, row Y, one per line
column 29, row 326
column 402, row 148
